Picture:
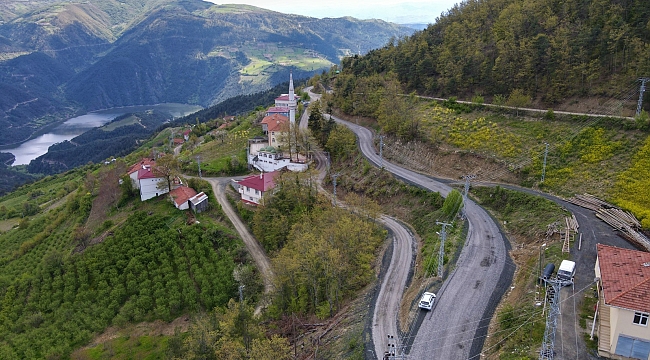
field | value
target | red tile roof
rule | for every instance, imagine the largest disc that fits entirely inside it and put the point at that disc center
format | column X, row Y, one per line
column 262, row 183
column 274, row 118
column 277, row 123
column 283, row 97
column 137, row 166
column 181, row 194
column 625, row 277
column 148, row 174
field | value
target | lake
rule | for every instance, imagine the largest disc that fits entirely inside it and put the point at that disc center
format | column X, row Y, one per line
column 76, row 126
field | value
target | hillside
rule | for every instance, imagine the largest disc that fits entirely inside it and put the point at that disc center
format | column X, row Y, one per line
column 61, row 58
column 556, row 52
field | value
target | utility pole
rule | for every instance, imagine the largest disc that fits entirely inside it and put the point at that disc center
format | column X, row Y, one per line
column 641, row 91
column 544, row 166
column 381, row 148
column 441, row 255
column 553, row 297
column 198, row 159
column 334, row 176
column 171, row 140
column 467, row 178
column 241, row 293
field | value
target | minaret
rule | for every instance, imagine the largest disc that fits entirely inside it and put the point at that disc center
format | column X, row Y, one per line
column 292, row 100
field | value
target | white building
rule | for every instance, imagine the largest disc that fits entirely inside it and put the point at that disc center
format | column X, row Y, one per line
column 148, row 181
column 253, row 188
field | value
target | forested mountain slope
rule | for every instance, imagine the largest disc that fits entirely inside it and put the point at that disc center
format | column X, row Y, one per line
column 551, row 49
column 65, row 57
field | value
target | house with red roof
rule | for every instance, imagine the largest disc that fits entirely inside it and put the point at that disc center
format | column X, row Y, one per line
column 275, row 126
column 623, row 303
column 253, row 188
column 145, row 178
column 181, row 196
column 133, row 170
column 148, row 183
column 186, row 134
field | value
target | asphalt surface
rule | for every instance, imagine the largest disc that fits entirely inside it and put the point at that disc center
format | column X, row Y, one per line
column 394, row 280
column 457, row 325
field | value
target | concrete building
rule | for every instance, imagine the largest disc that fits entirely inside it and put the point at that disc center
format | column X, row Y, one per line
column 624, row 303
column 253, row 188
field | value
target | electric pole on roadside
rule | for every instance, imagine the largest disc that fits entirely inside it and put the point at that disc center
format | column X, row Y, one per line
column 441, row 255
column 553, row 297
column 641, row 91
column 171, row 140
column 467, row 178
column 544, row 166
column 334, row 176
column 198, row 160
column 381, row 148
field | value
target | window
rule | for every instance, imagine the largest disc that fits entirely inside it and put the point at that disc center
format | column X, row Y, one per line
column 641, row 318
column 257, row 192
column 632, row 347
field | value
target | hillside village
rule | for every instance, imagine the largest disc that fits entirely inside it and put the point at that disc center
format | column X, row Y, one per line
column 470, row 203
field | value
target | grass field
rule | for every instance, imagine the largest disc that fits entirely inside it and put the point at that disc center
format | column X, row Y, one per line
column 124, row 122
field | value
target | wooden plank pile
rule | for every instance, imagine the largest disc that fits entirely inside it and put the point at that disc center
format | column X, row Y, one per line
column 617, row 218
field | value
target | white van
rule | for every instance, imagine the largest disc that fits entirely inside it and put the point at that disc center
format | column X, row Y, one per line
column 566, row 271
column 426, row 302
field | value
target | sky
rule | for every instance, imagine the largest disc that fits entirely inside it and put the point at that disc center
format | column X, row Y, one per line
column 397, row 11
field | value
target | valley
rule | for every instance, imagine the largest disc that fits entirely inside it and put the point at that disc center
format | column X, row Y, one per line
column 200, row 240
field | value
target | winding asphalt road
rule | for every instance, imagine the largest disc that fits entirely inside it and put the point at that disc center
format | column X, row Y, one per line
column 457, row 325
column 394, row 282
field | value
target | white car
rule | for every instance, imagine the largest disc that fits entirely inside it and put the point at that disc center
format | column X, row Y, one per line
column 426, row 302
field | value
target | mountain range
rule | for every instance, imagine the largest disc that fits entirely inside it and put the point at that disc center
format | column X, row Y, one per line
column 60, row 58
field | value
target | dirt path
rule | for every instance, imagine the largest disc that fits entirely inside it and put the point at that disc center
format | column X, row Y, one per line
column 252, row 245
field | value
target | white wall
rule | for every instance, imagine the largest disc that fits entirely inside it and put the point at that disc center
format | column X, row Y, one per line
column 149, row 188
column 250, row 194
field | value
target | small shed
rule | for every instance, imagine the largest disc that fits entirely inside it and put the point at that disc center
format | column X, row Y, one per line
column 199, row 202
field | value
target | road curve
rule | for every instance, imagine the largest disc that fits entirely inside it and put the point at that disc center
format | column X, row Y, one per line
column 457, row 325
column 387, row 304
column 252, row 245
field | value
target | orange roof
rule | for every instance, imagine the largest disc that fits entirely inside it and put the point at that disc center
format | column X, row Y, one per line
column 181, row 194
column 279, row 123
column 625, row 277
column 137, row 166
column 274, row 118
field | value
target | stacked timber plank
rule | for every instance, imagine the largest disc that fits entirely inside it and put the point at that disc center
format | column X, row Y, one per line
column 616, row 217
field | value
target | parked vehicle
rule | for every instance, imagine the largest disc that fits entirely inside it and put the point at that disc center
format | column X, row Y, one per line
column 426, row 301
column 566, row 271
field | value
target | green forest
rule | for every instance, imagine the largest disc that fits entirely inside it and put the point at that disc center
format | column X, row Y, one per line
column 551, row 49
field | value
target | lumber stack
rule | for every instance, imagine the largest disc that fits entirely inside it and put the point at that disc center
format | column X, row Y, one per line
column 616, row 217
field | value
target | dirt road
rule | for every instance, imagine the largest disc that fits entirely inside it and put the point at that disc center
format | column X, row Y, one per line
column 252, row 245
column 457, row 325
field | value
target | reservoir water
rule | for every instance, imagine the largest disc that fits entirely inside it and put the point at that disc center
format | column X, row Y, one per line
column 76, row 126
